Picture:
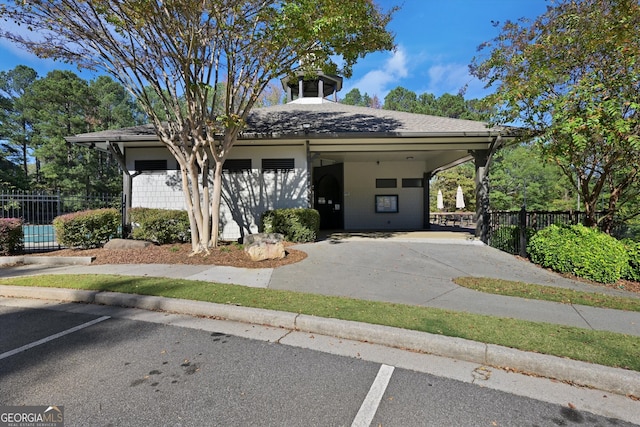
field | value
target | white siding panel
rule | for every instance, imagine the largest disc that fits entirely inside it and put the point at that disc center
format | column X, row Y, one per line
column 246, row 195
column 161, row 190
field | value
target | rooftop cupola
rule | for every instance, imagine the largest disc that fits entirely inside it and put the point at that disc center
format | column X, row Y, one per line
column 313, row 89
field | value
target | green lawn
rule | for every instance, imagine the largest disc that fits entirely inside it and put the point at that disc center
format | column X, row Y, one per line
column 604, row 348
column 548, row 293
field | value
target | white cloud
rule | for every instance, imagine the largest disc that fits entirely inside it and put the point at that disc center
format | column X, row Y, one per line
column 451, row 78
column 380, row 81
column 448, row 78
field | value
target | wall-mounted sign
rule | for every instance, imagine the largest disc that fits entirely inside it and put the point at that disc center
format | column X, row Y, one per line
column 387, row 203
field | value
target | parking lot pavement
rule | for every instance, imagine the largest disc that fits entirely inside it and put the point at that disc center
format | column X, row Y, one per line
column 112, row 365
column 396, row 270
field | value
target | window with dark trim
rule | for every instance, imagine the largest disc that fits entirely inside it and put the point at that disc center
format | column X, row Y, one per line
column 277, row 165
column 150, row 165
column 236, row 165
column 386, row 183
column 412, row 182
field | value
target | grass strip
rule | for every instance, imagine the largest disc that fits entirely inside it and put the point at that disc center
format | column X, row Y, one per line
column 548, row 293
column 600, row 347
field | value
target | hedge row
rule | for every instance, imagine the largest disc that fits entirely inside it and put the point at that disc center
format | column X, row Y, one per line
column 11, row 237
column 87, row 229
column 297, row 225
column 93, row 228
column 161, row 226
column 585, row 252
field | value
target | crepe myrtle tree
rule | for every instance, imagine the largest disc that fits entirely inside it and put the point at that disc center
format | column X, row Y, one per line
column 180, row 50
column 571, row 79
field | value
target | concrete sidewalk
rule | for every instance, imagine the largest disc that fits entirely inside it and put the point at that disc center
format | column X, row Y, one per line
column 409, row 269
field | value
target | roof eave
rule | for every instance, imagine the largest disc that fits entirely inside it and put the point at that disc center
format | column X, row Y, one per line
column 489, row 133
column 375, row 135
column 86, row 139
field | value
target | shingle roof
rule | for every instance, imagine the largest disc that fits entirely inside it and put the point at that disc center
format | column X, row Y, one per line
column 146, row 132
column 324, row 118
column 335, row 118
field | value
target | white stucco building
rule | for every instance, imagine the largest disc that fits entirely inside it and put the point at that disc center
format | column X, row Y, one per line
column 361, row 168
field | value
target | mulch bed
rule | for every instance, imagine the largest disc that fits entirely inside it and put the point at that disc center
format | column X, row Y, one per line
column 225, row 254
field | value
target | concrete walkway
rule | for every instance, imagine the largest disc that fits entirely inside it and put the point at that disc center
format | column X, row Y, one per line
column 408, row 268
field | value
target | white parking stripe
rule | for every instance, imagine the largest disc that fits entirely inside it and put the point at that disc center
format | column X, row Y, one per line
column 372, row 401
column 52, row 337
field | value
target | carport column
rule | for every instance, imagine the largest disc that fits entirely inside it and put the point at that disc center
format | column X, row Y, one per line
column 426, row 222
column 481, row 160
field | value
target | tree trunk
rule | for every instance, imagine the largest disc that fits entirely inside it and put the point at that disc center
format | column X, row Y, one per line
column 215, row 202
column 607, row 221
column 186, row 191
column 200, row 211
column 206, row 204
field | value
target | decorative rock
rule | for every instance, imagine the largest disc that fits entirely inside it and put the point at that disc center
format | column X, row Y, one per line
column 262, row 237
column 126, row 244
column 260, row 251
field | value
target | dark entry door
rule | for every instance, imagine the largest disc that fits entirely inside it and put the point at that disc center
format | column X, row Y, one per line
column 328, row 184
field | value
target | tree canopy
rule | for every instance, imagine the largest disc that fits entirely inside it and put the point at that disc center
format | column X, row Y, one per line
column 519, row 178
column 447, row 105
column 36, row 113
column 571, row 79
column 354, row 97
column 184, row 48
column 15, row 125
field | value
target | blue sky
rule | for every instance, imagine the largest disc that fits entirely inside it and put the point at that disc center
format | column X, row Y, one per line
column 436, row 40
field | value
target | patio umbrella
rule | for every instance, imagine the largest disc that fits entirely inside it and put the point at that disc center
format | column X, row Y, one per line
column 459, row 199
column 439, row 202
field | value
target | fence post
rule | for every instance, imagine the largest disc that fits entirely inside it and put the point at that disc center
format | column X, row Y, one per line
column 59, row 203
column 522, row 227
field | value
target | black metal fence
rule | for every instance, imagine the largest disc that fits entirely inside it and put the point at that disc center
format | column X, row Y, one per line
column 37, row 210
column 510, row 231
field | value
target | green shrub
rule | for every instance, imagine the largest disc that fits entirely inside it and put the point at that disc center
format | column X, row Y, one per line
column 11, row 236
column 579, row 250
column 297, row 225
column 87, row 229
column 161, row 226
column 632, row 270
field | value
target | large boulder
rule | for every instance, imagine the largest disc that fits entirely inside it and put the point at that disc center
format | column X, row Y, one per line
column 263, row 246
column 262, row 237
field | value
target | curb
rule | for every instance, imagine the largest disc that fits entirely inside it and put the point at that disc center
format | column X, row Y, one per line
column 613, row 380
column 46, row 260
